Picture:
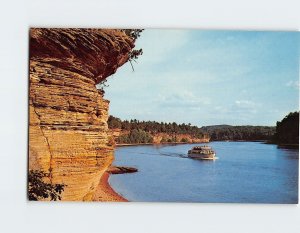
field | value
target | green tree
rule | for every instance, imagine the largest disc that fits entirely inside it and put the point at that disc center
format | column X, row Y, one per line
column 114, row 123
column 154, row 127
column 38, row 189
column 287, row 130
column 135, row 53
column 184, row 140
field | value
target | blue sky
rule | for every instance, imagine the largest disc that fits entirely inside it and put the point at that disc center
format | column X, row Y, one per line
column 209, row 77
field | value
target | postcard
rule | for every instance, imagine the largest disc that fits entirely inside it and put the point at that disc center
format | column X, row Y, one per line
column 159, row 115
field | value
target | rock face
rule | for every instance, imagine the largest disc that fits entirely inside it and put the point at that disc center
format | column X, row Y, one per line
column 158, row 138
column 67, row 114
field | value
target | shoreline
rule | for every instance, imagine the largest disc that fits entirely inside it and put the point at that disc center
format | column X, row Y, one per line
column 105, row 193
column 158, row 144
column 175, row 143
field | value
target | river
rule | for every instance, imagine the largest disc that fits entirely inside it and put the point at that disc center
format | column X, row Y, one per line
column 245, row 172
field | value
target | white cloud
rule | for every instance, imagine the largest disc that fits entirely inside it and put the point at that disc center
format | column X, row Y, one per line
column 182, row 99
column 241, row 107
column 293, row 84
column 245, row 103
column 245, row 107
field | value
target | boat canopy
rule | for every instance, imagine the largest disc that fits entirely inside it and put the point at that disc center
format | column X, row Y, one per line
column 202, row 148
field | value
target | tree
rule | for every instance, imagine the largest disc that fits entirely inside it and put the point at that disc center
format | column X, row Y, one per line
column 135, row 53
column 156, row 127
column 133, row 33
column 101, row 86
column 163, row 140
column 38, row 189
column 184, row 140
column 132, row 56
column 228, row 132
column 114, row 122
column 287, row 130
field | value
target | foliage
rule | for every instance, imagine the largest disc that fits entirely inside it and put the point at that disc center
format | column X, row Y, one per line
column 38, row 189
column 287, row 130
column 115, row 123
column 155, row 127
column 111, row 141
column 216, row 133
column 163, row 140
column 132, row 56
column 136, row 136
column 103, row 84
column 135, row 53
column 235, row 133
column 184, row 140
column 133, row 33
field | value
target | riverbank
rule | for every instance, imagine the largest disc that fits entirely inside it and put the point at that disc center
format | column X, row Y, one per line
column 164, row 143
column 288, row 146
column 285, row 146
column 182, row 143
column 105, row 192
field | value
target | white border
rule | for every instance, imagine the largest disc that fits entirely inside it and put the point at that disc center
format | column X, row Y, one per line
column 17, row 215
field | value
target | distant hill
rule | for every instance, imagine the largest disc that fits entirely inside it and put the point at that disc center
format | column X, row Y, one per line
column 211, row 127
column 235, row 133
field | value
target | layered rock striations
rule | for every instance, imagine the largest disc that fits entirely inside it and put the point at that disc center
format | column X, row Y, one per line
column 67, row 114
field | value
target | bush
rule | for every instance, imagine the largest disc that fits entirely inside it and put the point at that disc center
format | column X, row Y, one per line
column 184, row 140
column 38, row 189
column 136, row 136
column 163, row 140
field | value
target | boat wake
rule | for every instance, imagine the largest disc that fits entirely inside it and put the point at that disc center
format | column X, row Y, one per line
column 178, row 155
column 169, row 154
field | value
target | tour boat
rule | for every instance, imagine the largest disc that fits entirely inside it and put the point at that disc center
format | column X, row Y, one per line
column 202, row 152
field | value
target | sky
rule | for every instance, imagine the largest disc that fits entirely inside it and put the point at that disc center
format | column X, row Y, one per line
column 209, row 78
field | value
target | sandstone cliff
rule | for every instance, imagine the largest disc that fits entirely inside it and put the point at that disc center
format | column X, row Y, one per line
column 114, row 134
column 67, row 115
column 186, row 138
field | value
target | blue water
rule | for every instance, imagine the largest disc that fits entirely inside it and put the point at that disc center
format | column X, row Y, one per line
column 246, row 172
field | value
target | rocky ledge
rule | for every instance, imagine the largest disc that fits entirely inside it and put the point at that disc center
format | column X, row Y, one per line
column 121, row 170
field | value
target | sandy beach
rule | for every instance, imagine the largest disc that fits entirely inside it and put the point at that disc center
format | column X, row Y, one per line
column 105, row 192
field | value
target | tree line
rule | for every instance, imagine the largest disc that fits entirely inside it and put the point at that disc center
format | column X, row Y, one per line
column 142, row 131
column 236, row 133
column 155, row 127
column 287, row 130
column 135, row 136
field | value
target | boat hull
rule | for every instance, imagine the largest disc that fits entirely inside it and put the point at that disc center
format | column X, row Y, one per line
column 202, row 156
